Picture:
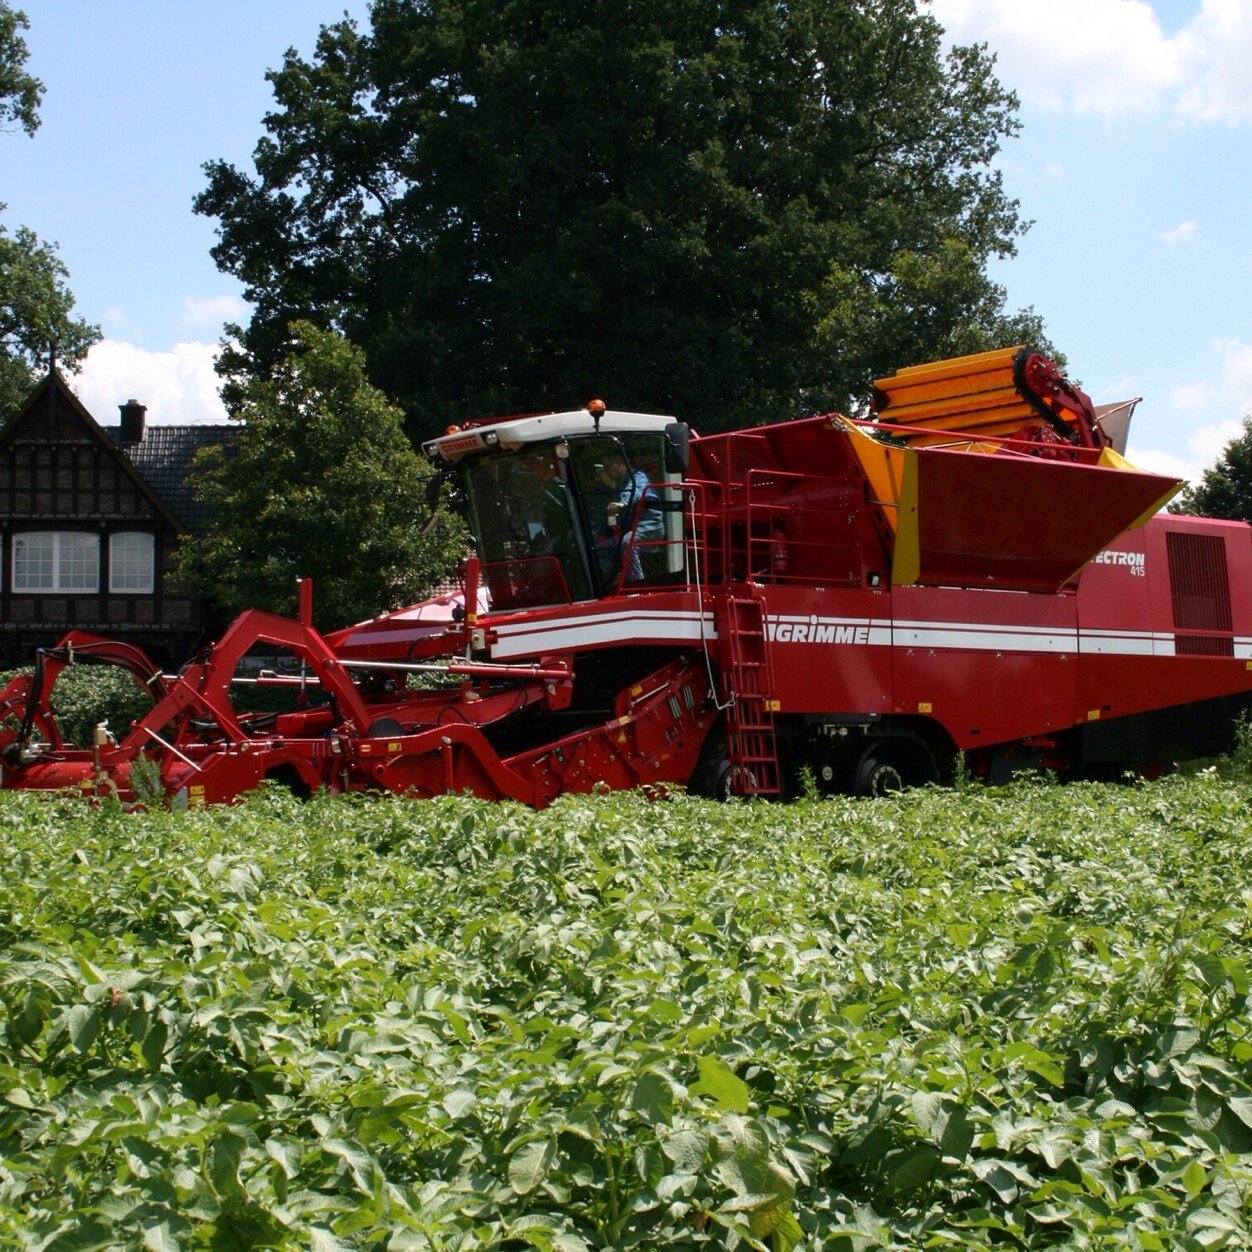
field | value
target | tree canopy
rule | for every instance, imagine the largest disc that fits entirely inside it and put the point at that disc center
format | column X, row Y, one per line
column 20, row 92
column 35, row 303
column 733, row 210
column 35, row 315
column 1225, row 489
column 324, row 484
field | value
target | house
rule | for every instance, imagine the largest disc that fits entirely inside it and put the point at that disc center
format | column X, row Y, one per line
column 90, row 517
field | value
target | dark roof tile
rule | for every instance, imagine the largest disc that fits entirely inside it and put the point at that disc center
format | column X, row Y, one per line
column 163, row 457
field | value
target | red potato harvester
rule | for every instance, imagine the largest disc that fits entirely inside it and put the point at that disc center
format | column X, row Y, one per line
column 974, row 571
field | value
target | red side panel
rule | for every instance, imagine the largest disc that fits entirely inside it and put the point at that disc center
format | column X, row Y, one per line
column 1017, row 522
column 989, row 666
column 830, row 650
column 1166, row 617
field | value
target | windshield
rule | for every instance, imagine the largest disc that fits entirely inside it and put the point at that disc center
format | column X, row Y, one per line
column 520, row 512
column 573, row 521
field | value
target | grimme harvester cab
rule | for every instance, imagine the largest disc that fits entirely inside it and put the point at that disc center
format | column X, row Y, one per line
column 975, row 570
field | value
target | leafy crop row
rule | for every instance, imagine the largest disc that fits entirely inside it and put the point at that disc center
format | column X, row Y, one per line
column 1011, row 1018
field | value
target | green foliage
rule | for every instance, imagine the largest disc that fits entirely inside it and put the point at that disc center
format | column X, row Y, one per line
column 1004, row 1018
column 35, row 304
column 20, row 92
column 86, row 695
column 1225, row 489
column 323, row 485
column 733, row 212
column 1235, row 766
column 35, row 315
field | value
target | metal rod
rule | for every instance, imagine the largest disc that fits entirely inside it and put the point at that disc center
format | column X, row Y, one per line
column 186, row 760
column 465, row 667
column 413, row 666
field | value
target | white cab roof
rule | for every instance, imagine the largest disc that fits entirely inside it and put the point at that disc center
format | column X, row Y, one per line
column 546, row 427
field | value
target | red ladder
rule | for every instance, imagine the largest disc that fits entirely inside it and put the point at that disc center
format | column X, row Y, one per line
column 750, row 689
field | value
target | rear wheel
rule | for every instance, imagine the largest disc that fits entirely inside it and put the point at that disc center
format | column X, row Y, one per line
column 711, row 776
column 891, row 765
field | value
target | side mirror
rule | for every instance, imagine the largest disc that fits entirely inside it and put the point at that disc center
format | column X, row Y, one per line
column 434, row 485
column 677, row 447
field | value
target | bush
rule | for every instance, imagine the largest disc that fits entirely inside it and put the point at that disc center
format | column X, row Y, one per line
column 86, row 695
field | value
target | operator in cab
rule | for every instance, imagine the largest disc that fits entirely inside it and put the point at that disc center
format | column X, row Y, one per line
column 632, row 487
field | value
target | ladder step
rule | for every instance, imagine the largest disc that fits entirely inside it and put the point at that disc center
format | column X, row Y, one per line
column 750, row 721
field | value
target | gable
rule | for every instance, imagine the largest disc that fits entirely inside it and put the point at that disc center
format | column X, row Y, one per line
column 58, row 462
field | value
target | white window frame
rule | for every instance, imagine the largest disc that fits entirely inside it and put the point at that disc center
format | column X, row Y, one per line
column 132, row 566
column 66, row 568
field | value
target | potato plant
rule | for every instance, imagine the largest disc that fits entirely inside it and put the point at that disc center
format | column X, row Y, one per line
column 1013, row 1018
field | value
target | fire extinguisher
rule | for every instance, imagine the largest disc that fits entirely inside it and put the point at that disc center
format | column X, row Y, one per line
column 779, row 551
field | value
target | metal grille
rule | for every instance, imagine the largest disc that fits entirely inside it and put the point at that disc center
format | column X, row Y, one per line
column 1200, row 592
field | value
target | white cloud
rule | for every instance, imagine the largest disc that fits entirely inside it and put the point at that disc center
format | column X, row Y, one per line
column 1182, row 233
column 1113, row 56
column 1224, row 401
column 1192, row 397
column 1209, row 442
column 1204, row 445
column 1157, row 462
column 178, row 386
column 1220, row 43
column 1101, row 56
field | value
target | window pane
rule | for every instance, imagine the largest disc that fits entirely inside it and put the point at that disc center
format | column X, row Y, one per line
column 131, row 562
column 56, row 560
column 79, row 565
column 32, row 561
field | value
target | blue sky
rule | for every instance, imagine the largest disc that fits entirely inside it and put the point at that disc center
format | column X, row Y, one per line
column 1134, row 163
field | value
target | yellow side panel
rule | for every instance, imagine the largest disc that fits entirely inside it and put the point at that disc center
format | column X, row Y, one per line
column 906, row 560
column 883, row 464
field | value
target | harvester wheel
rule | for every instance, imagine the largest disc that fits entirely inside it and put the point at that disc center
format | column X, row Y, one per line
column 722, row 778
column 713, row 773
column 877, row 773
column 891, row 765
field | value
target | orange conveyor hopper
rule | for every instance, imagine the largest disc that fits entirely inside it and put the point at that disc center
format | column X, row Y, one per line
column 969, row 499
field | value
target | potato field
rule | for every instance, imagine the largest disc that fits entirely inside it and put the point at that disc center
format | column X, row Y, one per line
column 951, row 1018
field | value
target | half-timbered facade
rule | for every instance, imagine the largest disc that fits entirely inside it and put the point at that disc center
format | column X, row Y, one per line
column 90, row 517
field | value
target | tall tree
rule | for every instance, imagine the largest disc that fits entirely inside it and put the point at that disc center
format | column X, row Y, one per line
column 35, row 316
column 35, row 303
column 1225, row 489
column 20, row 92
column 323, row 484
column 730, row 209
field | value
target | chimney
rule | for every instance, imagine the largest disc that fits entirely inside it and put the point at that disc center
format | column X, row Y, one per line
column 132, row 421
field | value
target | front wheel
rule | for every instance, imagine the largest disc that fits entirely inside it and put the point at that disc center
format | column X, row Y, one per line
column 715, row 776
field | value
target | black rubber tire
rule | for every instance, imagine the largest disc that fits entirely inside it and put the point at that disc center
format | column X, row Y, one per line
column 712, row 775
column 879, row 772
column 888, row 765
